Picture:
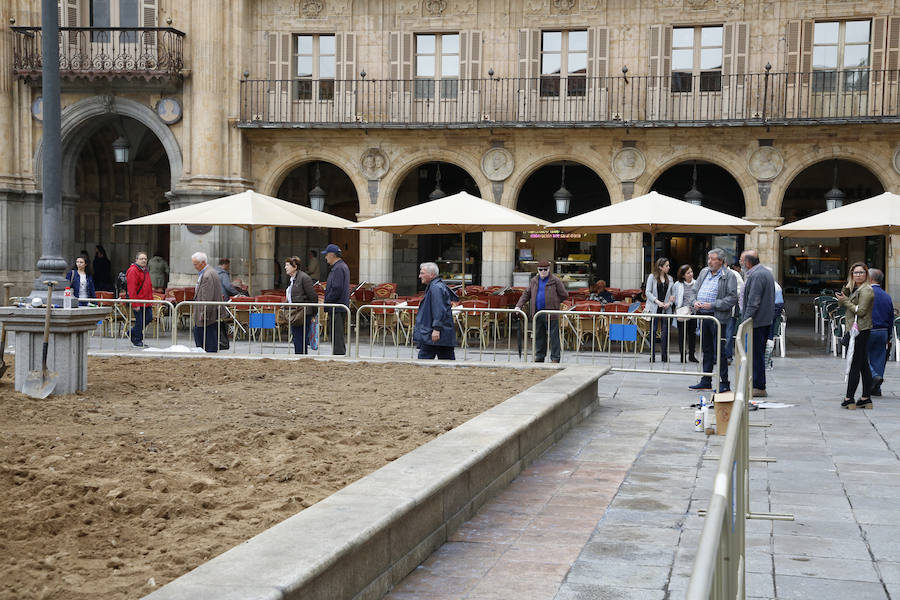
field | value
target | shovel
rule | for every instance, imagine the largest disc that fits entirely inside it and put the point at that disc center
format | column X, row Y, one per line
column 40, row 384
column 3, row 365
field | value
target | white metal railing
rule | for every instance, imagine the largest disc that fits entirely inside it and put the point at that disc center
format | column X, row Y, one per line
column 113, row 332
column 622, row 340
column 487, row 334
column 256, row 327
column 719, row 570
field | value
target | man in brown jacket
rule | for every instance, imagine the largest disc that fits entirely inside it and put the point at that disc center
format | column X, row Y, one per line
column 546, row 292
column 206, row 316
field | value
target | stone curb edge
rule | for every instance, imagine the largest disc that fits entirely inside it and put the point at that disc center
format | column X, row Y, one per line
column 365, row 538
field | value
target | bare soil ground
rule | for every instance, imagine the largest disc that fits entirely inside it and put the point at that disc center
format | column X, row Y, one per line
column 165, row 463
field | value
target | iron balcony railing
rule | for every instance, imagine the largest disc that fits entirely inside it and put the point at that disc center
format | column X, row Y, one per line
column 859, row 95
column 103, row 52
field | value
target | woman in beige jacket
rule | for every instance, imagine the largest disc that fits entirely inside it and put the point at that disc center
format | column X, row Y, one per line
column 858, row 298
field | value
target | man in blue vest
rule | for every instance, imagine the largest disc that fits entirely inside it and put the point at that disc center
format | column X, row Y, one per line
column 882, row 322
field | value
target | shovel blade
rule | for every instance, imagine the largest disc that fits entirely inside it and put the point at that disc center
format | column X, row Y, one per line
column 40, row 384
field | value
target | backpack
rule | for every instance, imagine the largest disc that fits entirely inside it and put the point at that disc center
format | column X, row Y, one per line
column 122, row 285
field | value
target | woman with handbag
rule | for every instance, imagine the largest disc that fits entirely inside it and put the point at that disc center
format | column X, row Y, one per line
column 685, row 293
column 660, row 298
column 857, row 298
column 299, row 289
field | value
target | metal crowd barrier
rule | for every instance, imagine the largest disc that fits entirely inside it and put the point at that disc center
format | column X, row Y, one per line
column 719, row 570
column 256, row 327
column 113, row 332
column 485, row 334
column 623, row 340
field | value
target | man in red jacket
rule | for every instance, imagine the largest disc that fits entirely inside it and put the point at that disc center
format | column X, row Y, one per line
column 140, row 287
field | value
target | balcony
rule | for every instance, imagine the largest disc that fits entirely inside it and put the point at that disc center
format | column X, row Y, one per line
column 755, row 99
column 92, row 53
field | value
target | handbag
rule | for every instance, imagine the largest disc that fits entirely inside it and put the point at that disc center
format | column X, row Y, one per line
column 223, row 336
column 683, row 311
column 845, row 340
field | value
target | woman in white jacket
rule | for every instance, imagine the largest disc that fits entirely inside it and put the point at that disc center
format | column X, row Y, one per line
column 685, row 294
column 660, row 298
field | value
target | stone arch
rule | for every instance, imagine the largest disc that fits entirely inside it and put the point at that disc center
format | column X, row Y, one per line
column 80, row 118
column 730, row 164
column 803, row 160
column 390, row 185
column 518, row 180
column 275, row 176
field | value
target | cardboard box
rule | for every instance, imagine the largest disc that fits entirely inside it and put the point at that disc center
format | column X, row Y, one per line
column 723, row 404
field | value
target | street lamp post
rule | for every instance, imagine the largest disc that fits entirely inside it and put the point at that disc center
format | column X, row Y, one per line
column 51, row 264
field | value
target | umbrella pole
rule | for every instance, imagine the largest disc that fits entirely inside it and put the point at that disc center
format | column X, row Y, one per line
column 652, row 249
column 463, row 263
column 250, row 266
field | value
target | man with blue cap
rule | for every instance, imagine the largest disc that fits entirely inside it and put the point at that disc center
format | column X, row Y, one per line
column 337, row 291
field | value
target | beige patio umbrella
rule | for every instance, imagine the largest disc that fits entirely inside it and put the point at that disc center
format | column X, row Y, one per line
column 248, row 210
column 652, row 213
column 459, row 213
column 879, row 215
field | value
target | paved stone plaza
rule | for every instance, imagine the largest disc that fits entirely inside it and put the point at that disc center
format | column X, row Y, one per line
column 610, row 512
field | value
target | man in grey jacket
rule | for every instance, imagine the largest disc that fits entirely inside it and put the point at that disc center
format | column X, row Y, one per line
column 716, row 295
column 759, row 305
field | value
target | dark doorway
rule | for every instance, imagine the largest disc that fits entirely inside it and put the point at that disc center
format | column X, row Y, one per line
column 579, row 259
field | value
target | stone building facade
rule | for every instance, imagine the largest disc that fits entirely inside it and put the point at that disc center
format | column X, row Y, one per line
column 767, row 98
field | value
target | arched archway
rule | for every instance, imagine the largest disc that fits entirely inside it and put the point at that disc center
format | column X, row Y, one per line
column 579, row 259
column 420, row 183
column 813, row 265
column 718, row 190
column 340, row 200
column 100, row 191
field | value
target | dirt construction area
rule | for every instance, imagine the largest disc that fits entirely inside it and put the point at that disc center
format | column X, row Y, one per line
column 165, row 463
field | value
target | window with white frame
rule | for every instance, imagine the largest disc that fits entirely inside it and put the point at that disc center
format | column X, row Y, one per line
column 841, row 47
column 315, row 66
column 697, row 55
column 564, row 52
column 437, row 59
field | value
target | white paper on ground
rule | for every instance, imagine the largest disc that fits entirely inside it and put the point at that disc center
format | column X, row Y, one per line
column 772, row 405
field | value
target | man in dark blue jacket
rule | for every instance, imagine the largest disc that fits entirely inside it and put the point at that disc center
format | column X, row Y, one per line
column 435, row 330
column 882, row 323
column 337, row 291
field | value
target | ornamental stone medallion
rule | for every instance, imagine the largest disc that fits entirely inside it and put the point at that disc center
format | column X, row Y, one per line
column 435, row 8
column 765, row 163
column 497, row 164
column 374, row 164
column 312, row 8
column 896, row 161
column 628, row 164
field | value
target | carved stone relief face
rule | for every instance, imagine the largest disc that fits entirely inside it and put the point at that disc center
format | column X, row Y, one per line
column 374, row 163
column 628, row 164
column 497, row 164
column 765, row 163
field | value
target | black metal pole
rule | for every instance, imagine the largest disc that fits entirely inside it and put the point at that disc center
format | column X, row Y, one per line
column 51, row 265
